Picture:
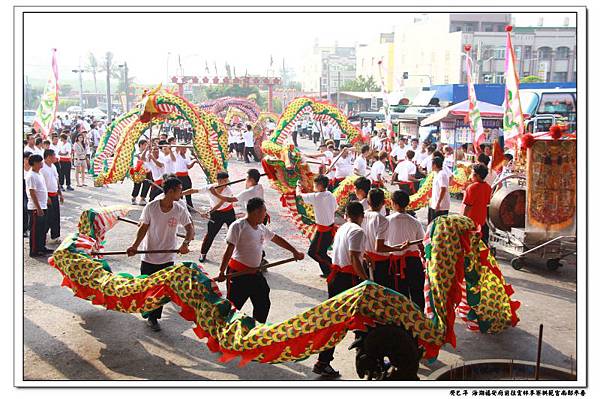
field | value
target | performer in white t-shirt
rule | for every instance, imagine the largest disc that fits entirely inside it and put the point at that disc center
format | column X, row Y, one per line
column 324, row 205
column 154, row 164
column 245, row 242
column 158, row 231
column 405, row 173
column 407, row 275
column 221, row 212
column 37, row 204
column 439, row 204
column 360, row 163
column 55, row 196
column 181, row 166
column 346, row 272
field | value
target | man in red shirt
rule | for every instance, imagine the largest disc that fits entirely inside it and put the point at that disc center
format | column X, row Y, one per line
column 477, row 198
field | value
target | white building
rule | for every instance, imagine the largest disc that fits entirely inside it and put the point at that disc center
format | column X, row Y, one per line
column 327, row 68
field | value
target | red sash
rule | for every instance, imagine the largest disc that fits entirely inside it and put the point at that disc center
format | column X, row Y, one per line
column 180, row 174
column 50, row 194
column 227, row 208
column 335, row 269
column 398, row 264
column 158, row 182
column 375, row 257
column 237, row 265
column 64, row 159
column 323, row 229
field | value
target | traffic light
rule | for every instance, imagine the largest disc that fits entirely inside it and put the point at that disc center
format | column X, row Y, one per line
column 405, row 75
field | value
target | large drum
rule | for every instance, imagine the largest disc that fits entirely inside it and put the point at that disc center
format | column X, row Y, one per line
column 507, row 208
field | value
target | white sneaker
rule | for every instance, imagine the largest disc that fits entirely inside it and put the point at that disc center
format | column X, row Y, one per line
column 133, row 201
column 56, row 240
column 142, row 202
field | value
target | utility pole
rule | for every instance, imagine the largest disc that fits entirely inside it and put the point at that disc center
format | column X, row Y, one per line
column 320, row 87
column 108, row 102
column 80, row 71
column 126, row 78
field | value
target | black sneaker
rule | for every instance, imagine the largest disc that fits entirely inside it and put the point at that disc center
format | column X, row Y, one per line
column 325, row 370
column 69, row 188
column 44, row 251
column 153, row 323
column 202, row 258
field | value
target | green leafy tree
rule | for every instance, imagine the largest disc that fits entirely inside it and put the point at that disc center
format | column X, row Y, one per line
column 361, row 84
column 532, row 79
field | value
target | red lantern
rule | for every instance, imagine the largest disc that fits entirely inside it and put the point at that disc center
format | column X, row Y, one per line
column 467, row 47
column 508, row 28
column 215, row 80
column 173, row 79
column 205, row 80
column 195, row 79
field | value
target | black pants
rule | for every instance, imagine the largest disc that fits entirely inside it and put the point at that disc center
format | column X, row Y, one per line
column 25, row 213
column 186, row 183
column 144, row 186
column 432, row 214
column 64, row 173
column 295, row 137
column 336, row 143
column 411, row 286
column 485, row 234
column 254, row 287
column 150, row 268
column 154, row 192
column 217, row 220
column 318, row 250
column 249, row 151
column 53, row 218
column 381, row 272
column 37, row 232
column 340, row 283
column 239, row 147
column 316, row 137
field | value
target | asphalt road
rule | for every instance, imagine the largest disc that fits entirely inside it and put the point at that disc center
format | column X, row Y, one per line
column 69, row 338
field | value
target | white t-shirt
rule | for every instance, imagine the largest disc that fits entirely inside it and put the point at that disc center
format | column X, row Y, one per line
column 157, row 171
column 375, row 227
column 349, row 237
column 398, row 153
column 248, row 241
column 232, row 136
column 33, row 150
column 404, row 169
column 337, row 133
column 403, row 227
column 376, row 143
column 343, row 167
column 65, row 149
column 420, row 156
column 324, row 204
column 377, row 171
column 162, row 233
column 181, row 163
column 239, row 137
column 50, row 175
column 440, row 180
column 252, row 192
column 169, row 164
column 328, row 161
column 248, row 138
column 213, row 200
column 360, row 164
column 327, row 132
column 426, row 163
column 36, row 181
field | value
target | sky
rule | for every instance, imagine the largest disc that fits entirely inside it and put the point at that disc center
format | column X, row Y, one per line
column 152, row 44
